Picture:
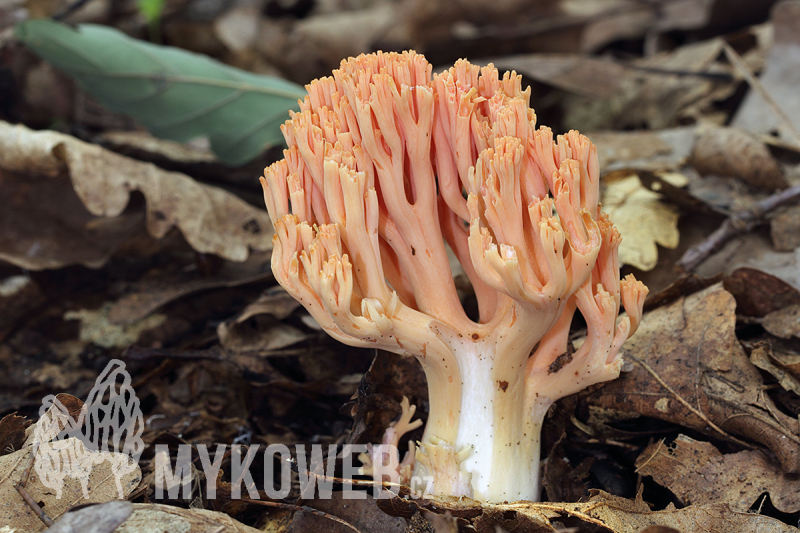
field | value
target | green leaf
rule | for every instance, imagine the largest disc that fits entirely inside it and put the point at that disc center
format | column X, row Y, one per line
column 176, row 94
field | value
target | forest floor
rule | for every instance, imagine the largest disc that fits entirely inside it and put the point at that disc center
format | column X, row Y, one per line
column 117, row 245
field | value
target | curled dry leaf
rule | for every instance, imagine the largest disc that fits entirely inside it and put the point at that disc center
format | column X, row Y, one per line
column 783, row 323
column 564, row 481
column 737, row 153
column 143, row 144
column 154, row 291
column 783, row 366
column 642, row 219
column 259, row 327
column 758, row 293
column 46, row 226
column 12, row 433
column 690, row 369
column 698, row 473
column 212, row 220
column 263, row 336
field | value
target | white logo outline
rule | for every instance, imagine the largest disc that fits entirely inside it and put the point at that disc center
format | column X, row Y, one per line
column 110, row 417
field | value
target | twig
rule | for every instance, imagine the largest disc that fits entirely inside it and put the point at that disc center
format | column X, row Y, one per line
column 23, row 482
column 755, row 83
column 737, row 223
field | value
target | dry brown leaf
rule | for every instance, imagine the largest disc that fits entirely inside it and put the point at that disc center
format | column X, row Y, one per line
column 587, row 76
column 783, row 323
column 144, row 143
column 781, row 77
column 45, row 225
column 642, row 219
column 690, row 369
column 274, row 301
column 758, row 293
column 699, row 474
column 784, row 228
column 101, row 483
column 156, row 518
column 259, row 327
column 158, row 289
column 562, row 480
column 623, row 20
column 754, row 251
column 653, row 94
column 651, row 91
column 75, row 474
column 212, row 220
column 737, row 153
column 649, row 150
column 238, row 27
column 783, row 367
column 263, row 335
column 12, row 433
column 312, row 46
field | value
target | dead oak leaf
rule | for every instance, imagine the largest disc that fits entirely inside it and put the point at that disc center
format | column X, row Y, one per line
column 783, row 323
column 698, row 473
column 642, row 218
column 12, row 433
column 691, row 370
column 212, row 220
column 785, row 367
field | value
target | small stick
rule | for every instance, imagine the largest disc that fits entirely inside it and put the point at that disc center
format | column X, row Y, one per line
column 755, row 83
column 23, row 482
column 736, row 224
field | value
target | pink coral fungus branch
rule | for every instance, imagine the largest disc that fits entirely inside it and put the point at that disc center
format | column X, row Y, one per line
column 387, row 167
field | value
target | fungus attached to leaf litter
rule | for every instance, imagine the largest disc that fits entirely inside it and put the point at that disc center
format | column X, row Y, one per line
column 388, row 165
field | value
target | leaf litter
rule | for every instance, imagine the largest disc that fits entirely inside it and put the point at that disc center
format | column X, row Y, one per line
column 226, row 357
column 210, row 219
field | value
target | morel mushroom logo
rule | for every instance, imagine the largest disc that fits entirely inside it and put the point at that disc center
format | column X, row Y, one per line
column 110, row 421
